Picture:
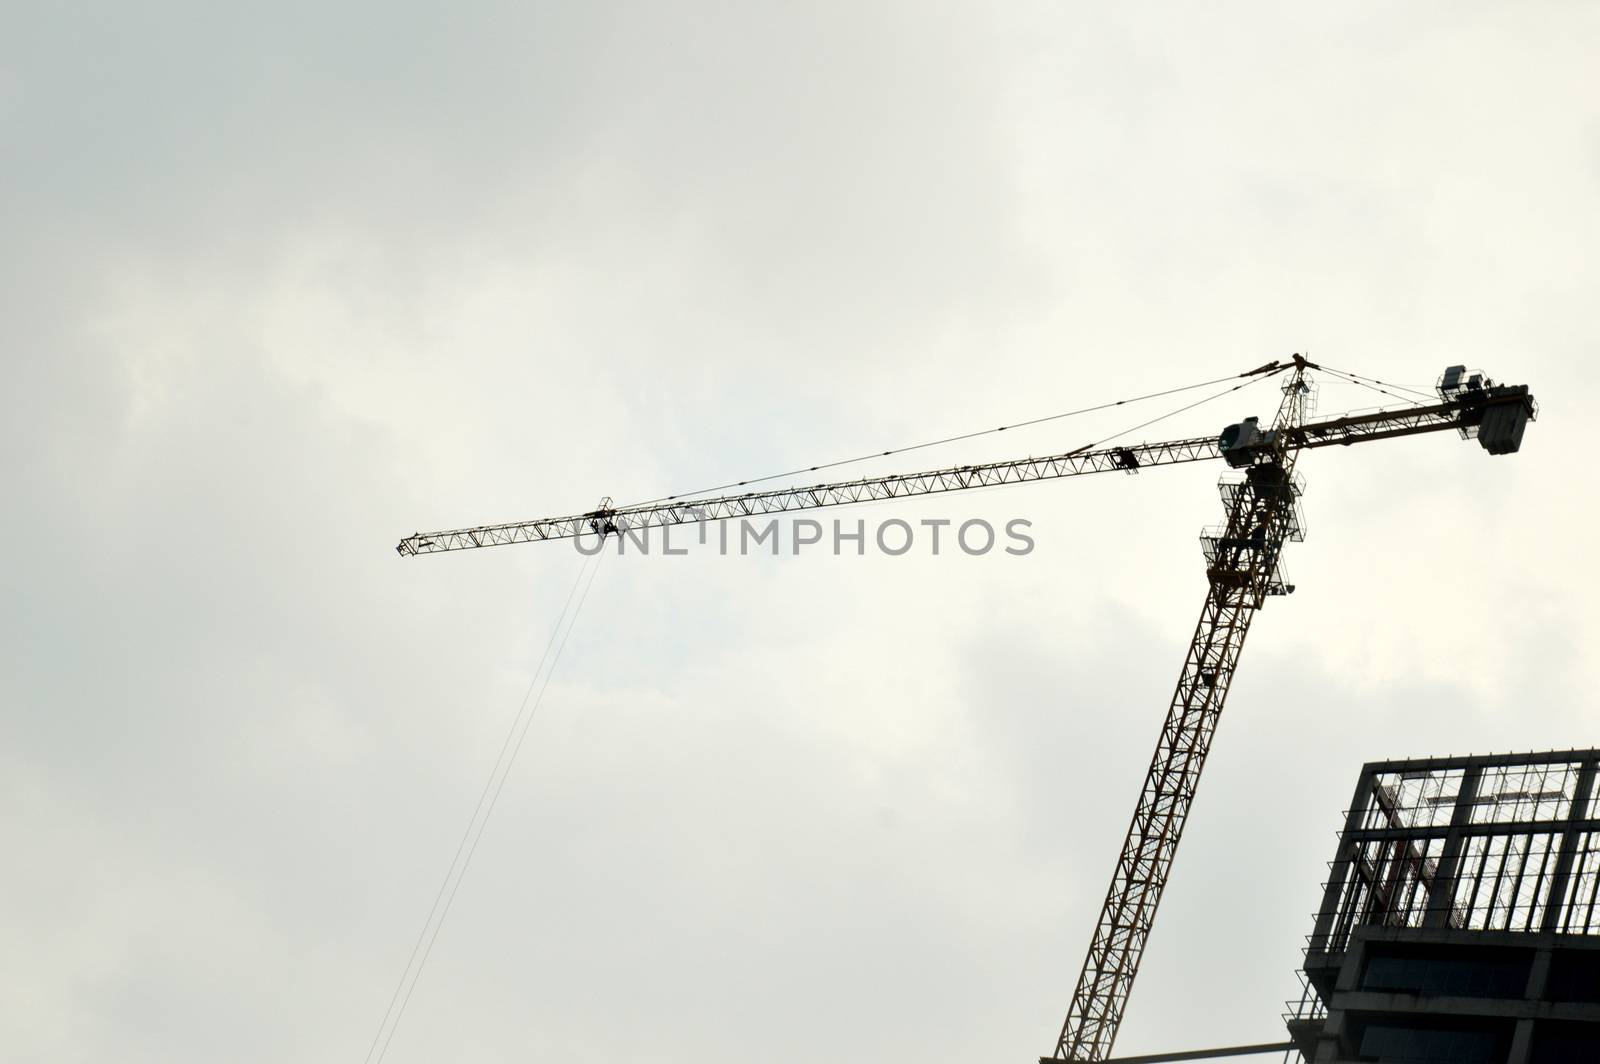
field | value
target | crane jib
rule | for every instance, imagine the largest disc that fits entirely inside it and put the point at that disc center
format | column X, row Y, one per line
column 1496, row 415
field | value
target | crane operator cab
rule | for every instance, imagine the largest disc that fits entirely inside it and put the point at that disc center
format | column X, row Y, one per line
column 1242, row 442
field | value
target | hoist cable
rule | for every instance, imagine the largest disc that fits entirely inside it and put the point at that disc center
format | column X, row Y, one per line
column 1090, row 446
column 1180, row 410
column 945, row 440
column 476, row 825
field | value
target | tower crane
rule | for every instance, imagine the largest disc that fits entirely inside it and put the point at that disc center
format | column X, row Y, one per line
column 1260, row 501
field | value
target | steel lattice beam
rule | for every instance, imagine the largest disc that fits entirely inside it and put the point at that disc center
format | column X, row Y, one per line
column 1406, row 421
column 1243, row 571
column 782, row 500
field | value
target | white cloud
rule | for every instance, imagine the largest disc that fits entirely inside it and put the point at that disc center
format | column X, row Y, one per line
column 282, row 288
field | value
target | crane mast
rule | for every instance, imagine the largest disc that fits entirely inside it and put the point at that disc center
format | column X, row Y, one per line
column 1242, row 565
column 1243, row 570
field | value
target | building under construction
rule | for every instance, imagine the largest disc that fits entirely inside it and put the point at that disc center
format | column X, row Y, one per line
column 1459, row 923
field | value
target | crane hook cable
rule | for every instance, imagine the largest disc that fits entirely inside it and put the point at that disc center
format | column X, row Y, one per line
column 1270, row 369
column 476, row 824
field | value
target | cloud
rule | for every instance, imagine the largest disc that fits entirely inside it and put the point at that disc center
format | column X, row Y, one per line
column 282, row 287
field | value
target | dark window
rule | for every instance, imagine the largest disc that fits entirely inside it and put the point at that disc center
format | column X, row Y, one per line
column 1565, row 1043
column 1475, row 972
column 1433, row 1042
column 1574, row 976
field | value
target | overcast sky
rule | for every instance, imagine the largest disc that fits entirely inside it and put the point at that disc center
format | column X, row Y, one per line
column 279, row 286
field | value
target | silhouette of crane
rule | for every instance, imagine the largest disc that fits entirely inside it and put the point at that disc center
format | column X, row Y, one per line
column 1242, row 556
